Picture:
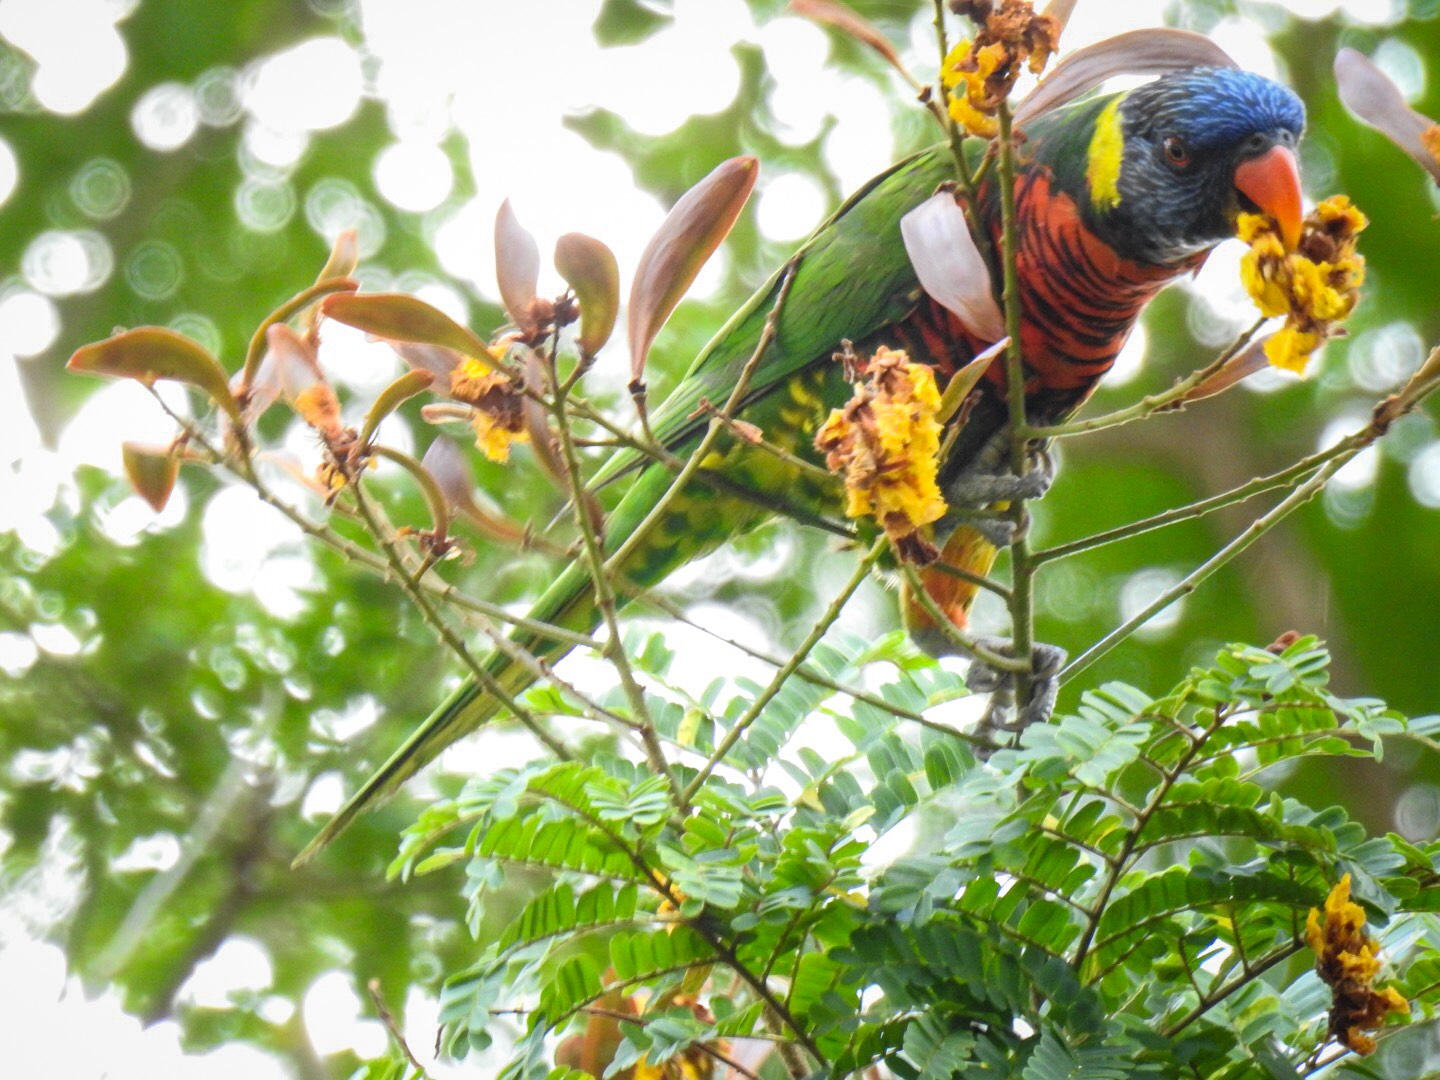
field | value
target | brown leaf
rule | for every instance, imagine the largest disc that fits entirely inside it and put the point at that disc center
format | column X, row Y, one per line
column 964, row 380
column 344, row 257
column 1240, row 366
column 833, row 13
column 405, row 318
column 302, row 381
column 537, row 421
column 1369, row 94
column 152, row 471
column 696, row 225
column 402, row 389
column 439, row 361
column 302, row 304
column 434, row 497
column 150, row 353
column 589, row 268
column 517, row 267
column 543, row 441
column 445, row 462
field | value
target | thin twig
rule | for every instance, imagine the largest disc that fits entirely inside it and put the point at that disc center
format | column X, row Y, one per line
column 1423, row 383
column 752, row 436
column 764, row 698
column 1216, row 996
column 440, row 590
column 1172, row 400
column 387, row 1018
column 773, row 501
column 808, row 673
column 693, row 464
column 1286, row 477
column 966, row 643
column 1256, row 529
column 604, row 592
column 1022, row 571
column 447, row 635
column 955, row 137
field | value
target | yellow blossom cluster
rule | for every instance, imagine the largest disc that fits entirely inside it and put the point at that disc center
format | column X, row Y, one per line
column 692, row 1064
column 886, row 443
column 499, row 404
column 319, row 407
column 593, row 1049
column 1346, row 958
column 1315, row 286
column 1430, row 139
column 979, row 74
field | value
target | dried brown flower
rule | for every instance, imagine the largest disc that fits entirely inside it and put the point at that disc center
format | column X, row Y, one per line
column 980, row 74
column 1346, row 958
column 886, row 442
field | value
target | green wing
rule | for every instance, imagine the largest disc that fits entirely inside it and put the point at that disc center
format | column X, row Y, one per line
column 852, row 278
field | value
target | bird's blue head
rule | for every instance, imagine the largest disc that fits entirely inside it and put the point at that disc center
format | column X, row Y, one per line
column 1171, row 163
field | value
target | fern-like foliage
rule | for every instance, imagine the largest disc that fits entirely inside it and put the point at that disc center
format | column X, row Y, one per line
column 1122, row 893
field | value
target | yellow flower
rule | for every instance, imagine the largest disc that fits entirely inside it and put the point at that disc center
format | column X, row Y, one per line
column 471, row 381
column 980, row 74
column 966, row 75
column 972, row 119
column 950, row 75
column 499, row 418
column 1347, row 959
column 494, row 438
column 1314, row 287
column 1290, row 348
column 886, row 442
column 1430, row 139
column 1262, row 267
column 319, row 407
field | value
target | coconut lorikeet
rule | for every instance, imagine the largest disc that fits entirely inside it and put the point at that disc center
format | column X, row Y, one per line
column 1117, row 196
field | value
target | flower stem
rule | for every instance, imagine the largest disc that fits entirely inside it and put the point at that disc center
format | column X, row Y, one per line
column 614, row 650
column 1022, row 569
column 1172, row 400
column 1286, row 477
column 792, row 665
column 712, row 434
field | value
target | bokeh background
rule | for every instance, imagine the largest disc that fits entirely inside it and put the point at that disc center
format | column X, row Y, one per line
column 184, row 696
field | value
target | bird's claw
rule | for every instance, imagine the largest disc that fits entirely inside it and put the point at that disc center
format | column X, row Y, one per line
column 990, row 479
column 997, row 531
column 1001, row 714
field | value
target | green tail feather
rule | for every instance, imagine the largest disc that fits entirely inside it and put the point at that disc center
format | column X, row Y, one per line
column 568, row 602
column 853, row 279
column 697, row 522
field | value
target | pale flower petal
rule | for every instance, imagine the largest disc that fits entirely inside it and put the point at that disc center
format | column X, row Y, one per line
column 950, row 266
column 1369, row 94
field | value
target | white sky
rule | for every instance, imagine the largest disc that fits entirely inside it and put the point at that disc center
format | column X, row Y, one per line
column 505, row 76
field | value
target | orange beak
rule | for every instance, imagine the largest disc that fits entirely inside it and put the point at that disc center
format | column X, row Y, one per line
column 1272, row 182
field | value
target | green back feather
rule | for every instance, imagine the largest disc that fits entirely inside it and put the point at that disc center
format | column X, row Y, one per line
column 853, row 279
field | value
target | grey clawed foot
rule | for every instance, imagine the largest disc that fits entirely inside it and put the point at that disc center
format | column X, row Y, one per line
column 996, row 530
column 1001, row 714
column 990, row 479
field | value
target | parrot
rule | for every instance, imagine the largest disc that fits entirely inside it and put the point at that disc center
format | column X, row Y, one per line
column 1117, row 195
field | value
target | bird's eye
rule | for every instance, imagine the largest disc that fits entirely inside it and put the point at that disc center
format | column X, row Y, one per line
column 1176, row 152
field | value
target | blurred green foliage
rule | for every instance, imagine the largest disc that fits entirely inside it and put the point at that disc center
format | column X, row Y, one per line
column 134, row 735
